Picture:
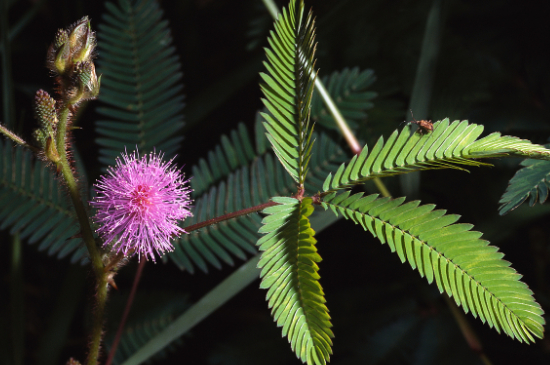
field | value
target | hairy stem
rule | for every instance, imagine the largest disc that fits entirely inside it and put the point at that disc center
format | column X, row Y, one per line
column 87, row 235
column 61, row 135
column 14, row 137
column 99, row 312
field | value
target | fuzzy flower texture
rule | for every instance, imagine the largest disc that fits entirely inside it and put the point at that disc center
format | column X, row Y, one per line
column 139, row 203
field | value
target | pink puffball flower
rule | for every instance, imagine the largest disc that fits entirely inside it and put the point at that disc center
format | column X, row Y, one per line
column 139, row 203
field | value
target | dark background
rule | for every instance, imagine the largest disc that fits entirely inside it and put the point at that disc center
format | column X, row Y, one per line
column 492, row 70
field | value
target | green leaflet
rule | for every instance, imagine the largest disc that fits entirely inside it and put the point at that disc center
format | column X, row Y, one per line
column 228, row 156
column 141, row 81
column 448, row 146
column 531, row 181
column 449, row 253
column 289, row 272
column 241, row 185
column 288, row 88
column 237, row 151
column 34, row 204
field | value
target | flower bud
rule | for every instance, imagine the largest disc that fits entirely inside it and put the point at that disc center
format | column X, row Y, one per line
column 61, row 59
column 40, row 137
column 91, row 81
column 59, row 53
column 45, row 110
column 46, row 114
column 86, row 82
column 76, row 44
column 82, row 40
column 61, row 37
column 70, row 57
column 85, row 71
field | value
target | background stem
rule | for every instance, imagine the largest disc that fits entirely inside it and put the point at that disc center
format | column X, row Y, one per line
column 17, row 302
column 224, row 291
column 120, row 329
column 8, row 103
column 467, row 331
column 423, row 86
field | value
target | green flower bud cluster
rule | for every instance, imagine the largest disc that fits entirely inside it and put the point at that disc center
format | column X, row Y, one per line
column 70, row 57
column 46, row 113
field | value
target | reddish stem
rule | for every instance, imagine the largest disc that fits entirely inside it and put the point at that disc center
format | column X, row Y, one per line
column 225, row 217
column 126, row 311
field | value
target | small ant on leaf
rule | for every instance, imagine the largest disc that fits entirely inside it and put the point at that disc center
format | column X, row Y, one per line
column 424, row 126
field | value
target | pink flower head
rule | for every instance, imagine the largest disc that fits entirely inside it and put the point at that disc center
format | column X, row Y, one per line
column 139, row 203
